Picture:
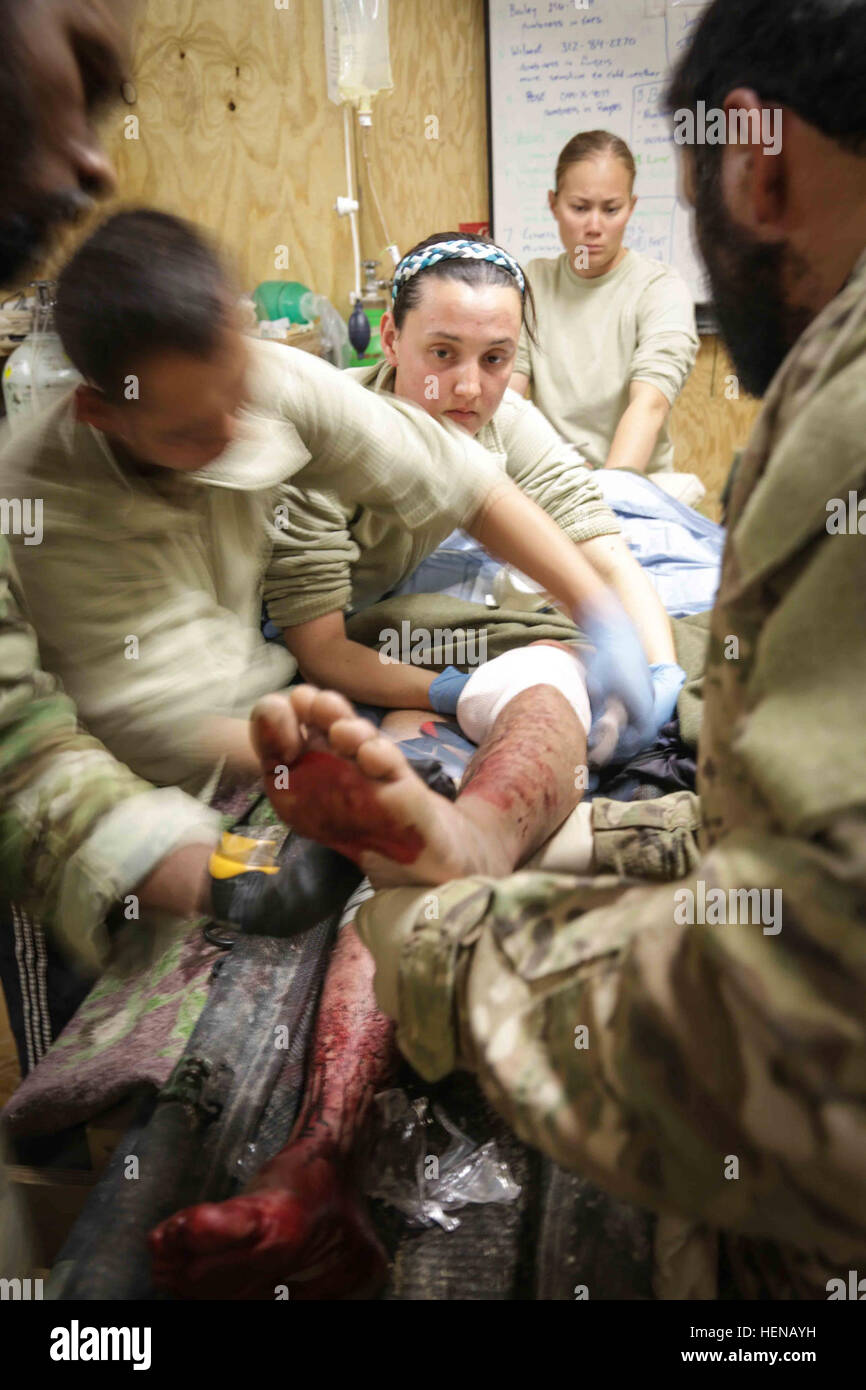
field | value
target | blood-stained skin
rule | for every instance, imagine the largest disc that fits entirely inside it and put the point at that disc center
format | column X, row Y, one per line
column 301, row 1223
column 329, row 801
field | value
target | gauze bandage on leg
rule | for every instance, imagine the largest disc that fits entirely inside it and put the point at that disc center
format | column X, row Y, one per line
column 492, row 686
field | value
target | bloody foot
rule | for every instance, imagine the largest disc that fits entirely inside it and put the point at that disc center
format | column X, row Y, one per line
column 309, row 1232
column 301, row 1223
column 334, row 778
column 351, row 788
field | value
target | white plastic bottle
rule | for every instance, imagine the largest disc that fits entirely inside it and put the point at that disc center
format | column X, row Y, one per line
column 38, row 372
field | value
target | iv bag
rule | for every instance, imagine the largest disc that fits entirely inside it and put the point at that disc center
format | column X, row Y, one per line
column 356, row 50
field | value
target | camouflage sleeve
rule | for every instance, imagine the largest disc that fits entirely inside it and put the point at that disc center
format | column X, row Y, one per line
column 77, row 828
column 716, row 1070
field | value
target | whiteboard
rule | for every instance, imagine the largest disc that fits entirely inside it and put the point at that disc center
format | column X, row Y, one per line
column 557, row 67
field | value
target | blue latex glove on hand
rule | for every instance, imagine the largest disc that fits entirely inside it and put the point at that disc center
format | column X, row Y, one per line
column 668, row 681
column 618, row 668
column 446, row 690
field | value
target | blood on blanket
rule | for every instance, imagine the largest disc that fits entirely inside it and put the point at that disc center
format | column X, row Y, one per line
column 332, row 801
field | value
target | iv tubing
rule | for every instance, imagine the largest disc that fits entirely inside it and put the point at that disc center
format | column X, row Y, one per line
column 353, row 216
column 366, row 153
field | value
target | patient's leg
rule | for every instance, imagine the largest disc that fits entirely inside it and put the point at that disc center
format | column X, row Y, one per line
column 301, row 1221
column 351, row 788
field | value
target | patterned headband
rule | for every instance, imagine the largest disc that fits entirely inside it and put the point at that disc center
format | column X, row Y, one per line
column 455, row 251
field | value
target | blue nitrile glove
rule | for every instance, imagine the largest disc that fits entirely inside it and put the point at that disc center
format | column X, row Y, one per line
column 446, row 690
column 619, row 668
column 668, row 681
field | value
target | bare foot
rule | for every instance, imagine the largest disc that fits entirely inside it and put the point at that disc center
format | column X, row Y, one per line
column 310, row 1233
column 351, row 788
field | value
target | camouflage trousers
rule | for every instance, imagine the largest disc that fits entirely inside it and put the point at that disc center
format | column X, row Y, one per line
column 653, row 840
column 573, row 999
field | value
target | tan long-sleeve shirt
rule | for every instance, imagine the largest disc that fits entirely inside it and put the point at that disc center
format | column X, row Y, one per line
column 596, row 337
column 145, row 591
column 77, row 829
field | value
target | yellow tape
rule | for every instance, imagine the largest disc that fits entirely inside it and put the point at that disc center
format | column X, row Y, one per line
column 237, row 855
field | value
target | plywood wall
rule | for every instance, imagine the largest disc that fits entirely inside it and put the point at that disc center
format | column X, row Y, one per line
column 711, row 420
column 236, row 131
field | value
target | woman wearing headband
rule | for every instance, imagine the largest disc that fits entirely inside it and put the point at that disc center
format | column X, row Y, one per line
column 616, row 330
column 458, row 307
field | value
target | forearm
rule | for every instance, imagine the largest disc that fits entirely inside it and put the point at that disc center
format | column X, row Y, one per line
column 623, row 973
column 180, row 883
column 109, row 856
column 614, row 562
column 518, row 532
column 362, row 674
column 224, row 737
column 642, row 994
column 637, row 435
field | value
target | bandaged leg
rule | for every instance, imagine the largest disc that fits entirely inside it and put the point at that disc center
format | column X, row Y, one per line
column 495, row 684
column 301, row 1222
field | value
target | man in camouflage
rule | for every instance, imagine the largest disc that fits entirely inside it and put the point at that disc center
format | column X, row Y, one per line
column 685, row 1045
column 77, row 830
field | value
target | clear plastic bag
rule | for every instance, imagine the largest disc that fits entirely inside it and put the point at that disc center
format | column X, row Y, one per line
column 335, row 335
column 357, row 56
column 423, row 1165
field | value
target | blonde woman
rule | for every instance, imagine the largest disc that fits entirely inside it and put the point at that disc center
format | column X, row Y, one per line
column 616, row 333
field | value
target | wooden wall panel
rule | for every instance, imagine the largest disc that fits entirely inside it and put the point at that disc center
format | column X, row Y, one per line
column 430, row 185
column 237, row 132
column 706, row 427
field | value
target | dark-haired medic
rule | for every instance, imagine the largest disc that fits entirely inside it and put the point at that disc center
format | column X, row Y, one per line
column 78, row 830
column 449, row 341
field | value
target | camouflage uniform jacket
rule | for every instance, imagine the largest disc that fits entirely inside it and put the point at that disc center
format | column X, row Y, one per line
column 77, row 829
column 714, row 1071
